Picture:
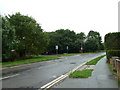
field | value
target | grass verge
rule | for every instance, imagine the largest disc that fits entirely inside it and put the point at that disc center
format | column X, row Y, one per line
column 32, row 60
column 94, row 61
column 37, row 59
column 81, row 74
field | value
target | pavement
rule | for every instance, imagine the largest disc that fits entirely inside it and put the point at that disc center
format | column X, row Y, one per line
column 101, row 77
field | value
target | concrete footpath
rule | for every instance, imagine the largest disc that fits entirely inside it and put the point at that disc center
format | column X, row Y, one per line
column 101, row 77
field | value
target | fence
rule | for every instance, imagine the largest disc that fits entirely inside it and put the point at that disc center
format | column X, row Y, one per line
column 115, row 62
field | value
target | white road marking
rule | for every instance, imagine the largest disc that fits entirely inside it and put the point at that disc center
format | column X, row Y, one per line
column 39, row 68
column 64, row 76
column 54, row 76
column 50, row 84
column 9, row 76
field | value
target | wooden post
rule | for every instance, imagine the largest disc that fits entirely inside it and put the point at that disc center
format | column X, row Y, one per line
column 114, row 62
column 111, row 61
column 118, row 68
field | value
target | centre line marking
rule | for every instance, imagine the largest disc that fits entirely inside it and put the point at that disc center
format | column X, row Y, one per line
column 9, row 76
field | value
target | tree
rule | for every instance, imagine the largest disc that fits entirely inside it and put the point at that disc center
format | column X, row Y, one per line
column 91, row 45
column 66, row 38
column 80, row 37
column 8, row 40
column 28, row 34
column 93, row 41
column 52, row 42
column 62, row 38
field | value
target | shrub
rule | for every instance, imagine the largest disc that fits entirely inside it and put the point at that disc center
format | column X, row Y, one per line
column 111, row 53
column 112, row 44
column 112, row 41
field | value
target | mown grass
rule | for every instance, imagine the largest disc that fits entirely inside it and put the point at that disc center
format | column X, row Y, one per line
column 38, row 59
column 85, row 73
column 35, row 59
column 32, row 60
column 81, row 74
column 94, row 61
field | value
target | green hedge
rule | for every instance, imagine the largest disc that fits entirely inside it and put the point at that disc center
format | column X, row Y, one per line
column 112, row 41
column 111, row 53
column 112, row 44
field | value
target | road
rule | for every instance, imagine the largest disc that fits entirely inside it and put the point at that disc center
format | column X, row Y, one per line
column 39, row 74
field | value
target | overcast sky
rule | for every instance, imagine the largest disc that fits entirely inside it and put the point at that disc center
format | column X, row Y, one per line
column 77, row 15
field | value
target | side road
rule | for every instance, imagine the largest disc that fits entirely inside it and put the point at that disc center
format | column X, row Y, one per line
column 101, row 77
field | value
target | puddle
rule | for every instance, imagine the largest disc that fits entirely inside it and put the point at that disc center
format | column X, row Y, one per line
column 60, row 61
column 111, row 77
column 72, row 63
column 14, row 72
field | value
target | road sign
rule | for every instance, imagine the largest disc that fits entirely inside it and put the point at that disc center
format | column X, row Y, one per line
column 56, row 47
column 67, row 47
column 81, row 48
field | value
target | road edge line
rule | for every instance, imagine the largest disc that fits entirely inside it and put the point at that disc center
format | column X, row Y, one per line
column 50, row 84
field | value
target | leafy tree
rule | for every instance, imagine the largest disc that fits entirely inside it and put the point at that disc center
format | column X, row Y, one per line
column 80, row 41
column 8, row 40
column 91, row 45
column 62, row 38
column 23, row 36
column 93, row 41
column 81, row 36
column 65, row 38
column 28, row 33
column 96, row 35
column 52, row 42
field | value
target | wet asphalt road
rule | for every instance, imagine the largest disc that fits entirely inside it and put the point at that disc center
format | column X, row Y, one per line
column 37, row 75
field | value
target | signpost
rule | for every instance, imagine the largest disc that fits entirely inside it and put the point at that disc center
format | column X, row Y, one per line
column 67, row 49
column 81, row 51
column 81, row 48
column 56, row 47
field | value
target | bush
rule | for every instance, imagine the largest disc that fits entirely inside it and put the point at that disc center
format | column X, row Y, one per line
column 111, row 53
column 112, row 44
column 112, row 41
